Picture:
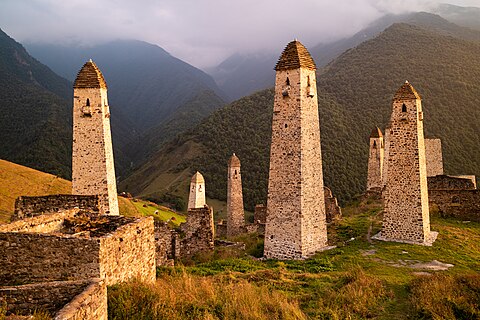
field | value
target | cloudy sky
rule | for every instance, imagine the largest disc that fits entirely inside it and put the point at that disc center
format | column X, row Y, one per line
column 201, row 32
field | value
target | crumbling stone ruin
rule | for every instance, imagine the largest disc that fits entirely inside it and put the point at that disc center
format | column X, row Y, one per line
column 375, row 161
column 93, row 170
column 195, row 235
column 26, row 207
column 196, row 198
column 70, row 257
column 235, row 213
column 406, row 215
column 296, row 224
column 332, row 209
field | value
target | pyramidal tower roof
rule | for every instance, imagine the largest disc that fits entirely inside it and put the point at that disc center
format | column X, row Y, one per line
column 376, row 133
column 198, row 178
column 90, row 77
column 234, row 161
column 406, row 92
column 295, row 56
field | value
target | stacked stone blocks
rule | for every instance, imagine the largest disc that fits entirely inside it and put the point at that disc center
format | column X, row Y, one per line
column 235, row 213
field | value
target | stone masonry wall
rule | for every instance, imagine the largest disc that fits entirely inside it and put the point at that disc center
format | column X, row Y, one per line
column 93, row 171
column 91, row 304
column 406, row 216
column 332, row 209
column 375, row 163
column 165, row 243
column 37, row 257
column 433, row 154
column 235, row 213
column 458, row 204
column 260, row 214
column 198, row 232
column 296, row 222
column 444, row 182
column 47, row 296
column 129, row 252
column 42, row 224
column 32, row 206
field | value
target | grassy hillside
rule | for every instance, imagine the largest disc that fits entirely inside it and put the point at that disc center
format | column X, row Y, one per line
column 359, row 279
column 354, row 93
column 17, row 180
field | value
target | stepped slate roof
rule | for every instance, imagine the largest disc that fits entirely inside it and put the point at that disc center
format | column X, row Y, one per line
column 295, row 56
column 376, row 133
column 406, row 92
column 234, row 161
column 90, row 77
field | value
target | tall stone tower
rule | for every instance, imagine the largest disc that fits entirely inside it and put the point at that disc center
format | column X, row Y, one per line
column 235, row 213
column 196, row 199
column 406, row 217
column 375, row 161
column 296, row 226
column 93, row 170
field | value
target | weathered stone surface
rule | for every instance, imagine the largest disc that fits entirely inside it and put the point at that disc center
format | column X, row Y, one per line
column 26, row 207
column 406, row 216
column 197, row 234
column 332, row 209
column 375, row 160
column 166, row 244
column 235, row 213
column 196, row 198
column 113, row 248
column 296, row 226
column 93, row 171
column 260, row 214
column 458, row 204
column 434, row 158
column 444, row 182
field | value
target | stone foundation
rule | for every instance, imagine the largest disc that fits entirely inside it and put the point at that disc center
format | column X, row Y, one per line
column 81, row 299
column 81, row 248
column 26, row 207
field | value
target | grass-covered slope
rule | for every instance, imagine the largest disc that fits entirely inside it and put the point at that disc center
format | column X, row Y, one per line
column 359, row 279
column 354, row 93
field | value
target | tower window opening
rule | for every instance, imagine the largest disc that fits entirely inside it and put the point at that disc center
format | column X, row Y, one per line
column 287, row 82
column 404, row 108
column 88, row 102
column 375, row 144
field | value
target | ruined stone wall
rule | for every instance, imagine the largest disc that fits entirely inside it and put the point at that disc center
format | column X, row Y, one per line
column 296, row 222
column 46, row 296
column 235, row 213
column 129, row 252
column 434, row 158
column 406, row 216
column 332, row 209
column 260, row 214
column 197, row 234
column 375, row 163
column 165, row 242
column 458, row 204
column 93, row 171
column 26, row 207
column 91, row 304
column 444, row 182
column 37, row 257
column 43, row 224
column 221, row 229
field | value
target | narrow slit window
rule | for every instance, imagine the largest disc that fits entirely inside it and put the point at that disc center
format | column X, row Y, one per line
column 287, row 82
column 404, row 108
column 88, row 102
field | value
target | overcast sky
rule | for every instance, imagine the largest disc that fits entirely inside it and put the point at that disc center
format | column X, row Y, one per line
column 201, row 32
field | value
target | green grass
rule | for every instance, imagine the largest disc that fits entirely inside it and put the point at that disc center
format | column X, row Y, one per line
column 150, row 209
column 365, row 280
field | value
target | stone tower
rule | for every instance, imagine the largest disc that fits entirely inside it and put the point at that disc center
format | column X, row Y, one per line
column 196, row 199
column 296, row 226
column 235, row 214
column 375, row 161
column 93, row 170
column 406, row 216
